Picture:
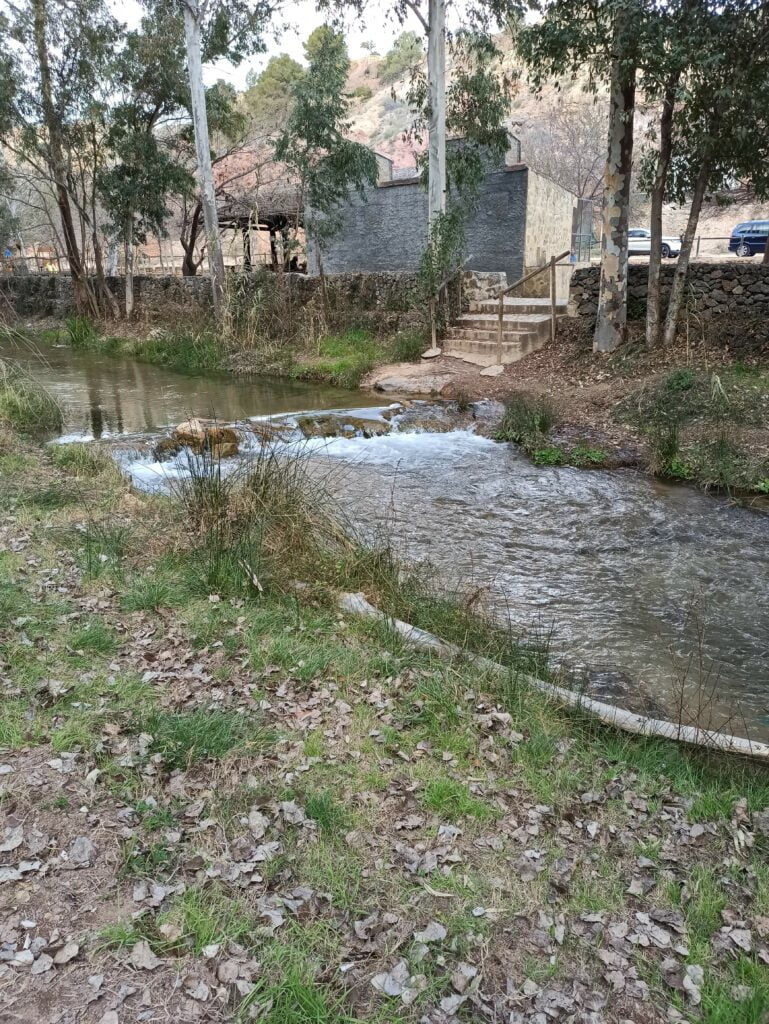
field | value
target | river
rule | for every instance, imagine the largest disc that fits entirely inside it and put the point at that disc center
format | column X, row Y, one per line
column 648, row 591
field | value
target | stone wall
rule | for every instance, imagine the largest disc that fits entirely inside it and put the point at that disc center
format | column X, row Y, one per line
column 389, row 301
column 549, row 212
column 386, row 230
column 713, row 289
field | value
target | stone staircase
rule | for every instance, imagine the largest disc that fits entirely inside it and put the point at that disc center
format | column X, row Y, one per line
column 525, row 328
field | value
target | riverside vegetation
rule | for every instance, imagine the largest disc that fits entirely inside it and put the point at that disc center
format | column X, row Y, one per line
column 270, row 337
column 224, row 800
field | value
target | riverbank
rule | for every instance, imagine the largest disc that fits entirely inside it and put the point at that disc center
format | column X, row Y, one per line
column 340, row 359
column 697, row 412
column 224, row 800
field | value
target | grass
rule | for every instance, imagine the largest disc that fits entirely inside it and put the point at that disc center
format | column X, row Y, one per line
column 339, row 359
column 527, row 419
column 452, row 800
column 528, row 422
column 25, row 405
column 182, row 349
column 79, row 459
column 333, row 819
column 93, row 636
column 343, row 360
column 184, row 738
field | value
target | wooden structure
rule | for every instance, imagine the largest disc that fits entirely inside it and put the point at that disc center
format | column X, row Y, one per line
column 280, row 213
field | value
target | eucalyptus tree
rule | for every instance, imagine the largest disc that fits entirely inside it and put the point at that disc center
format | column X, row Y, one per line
column 213, row 29
column 325, row 164
column 142, row 173
column 719, row 131
column 56, row 74
column 605, row 42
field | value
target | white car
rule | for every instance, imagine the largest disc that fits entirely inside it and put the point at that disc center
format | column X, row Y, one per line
column 639, row 243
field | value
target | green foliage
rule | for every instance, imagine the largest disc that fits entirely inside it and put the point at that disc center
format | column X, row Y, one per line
column 294, row 998
column 269, row 96
column 315, row 144
column 318, row 42
column 526, row 417
column 548, row 456
column 81, row 332
column 443, row 253
column 584, row 455
column 25, row 405
column 716, row 403
column 362, row 92
column 406, row 54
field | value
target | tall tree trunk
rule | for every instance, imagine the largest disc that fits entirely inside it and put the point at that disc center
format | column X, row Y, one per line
column 611, row 324
column 203, row 150
column 129, row 268
column 189, row 266
column 766, row 254
column 653, row 300
column 682, row 266
column 436, row 76
column 85, row 300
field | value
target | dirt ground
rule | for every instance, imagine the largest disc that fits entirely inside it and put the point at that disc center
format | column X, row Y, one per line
column 586, row 388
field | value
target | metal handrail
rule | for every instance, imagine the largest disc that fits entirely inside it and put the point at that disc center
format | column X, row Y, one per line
column 550, row 265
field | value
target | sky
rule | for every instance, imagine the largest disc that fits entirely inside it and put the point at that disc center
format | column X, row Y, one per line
column 302, row 18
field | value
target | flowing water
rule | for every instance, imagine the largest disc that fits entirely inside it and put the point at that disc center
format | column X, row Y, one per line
column 650, row 591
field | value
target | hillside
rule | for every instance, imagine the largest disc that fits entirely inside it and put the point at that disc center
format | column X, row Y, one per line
column 561, row 132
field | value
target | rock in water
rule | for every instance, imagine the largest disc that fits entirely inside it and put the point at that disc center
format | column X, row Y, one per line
column 201, row 435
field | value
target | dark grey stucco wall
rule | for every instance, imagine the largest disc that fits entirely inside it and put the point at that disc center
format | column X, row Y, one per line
column 387, row 230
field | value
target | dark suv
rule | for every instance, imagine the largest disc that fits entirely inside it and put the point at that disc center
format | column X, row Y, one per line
column 749, row 238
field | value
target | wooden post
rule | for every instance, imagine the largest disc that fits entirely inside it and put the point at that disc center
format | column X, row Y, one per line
column 500, row 314
column 552, row 299
column 433, row 336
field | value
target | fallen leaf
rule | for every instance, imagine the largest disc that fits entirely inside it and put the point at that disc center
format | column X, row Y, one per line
column 143, row 958
column 433, row 932
column 12, row 838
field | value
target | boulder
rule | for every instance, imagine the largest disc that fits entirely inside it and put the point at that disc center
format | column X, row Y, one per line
column 199, row 434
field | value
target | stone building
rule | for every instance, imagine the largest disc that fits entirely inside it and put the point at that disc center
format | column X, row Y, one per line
column 520, row 221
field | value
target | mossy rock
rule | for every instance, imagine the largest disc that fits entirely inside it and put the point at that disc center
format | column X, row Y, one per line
column 341, row 426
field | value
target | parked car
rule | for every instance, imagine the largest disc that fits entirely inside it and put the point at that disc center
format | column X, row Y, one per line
column 639, row 243
column 749, row 238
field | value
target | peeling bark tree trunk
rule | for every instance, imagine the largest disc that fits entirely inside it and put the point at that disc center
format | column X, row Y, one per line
column 203, row 152
column 189, row 266
column 436, row 76
column 611, row 324
column 653, row 300
column 682, row 265
column 129, row 269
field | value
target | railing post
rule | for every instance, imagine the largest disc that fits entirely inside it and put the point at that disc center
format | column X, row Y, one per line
column 552, row 299
column 499, row 327
column 433, row 340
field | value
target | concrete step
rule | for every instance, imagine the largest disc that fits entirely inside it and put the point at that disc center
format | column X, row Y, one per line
column 490, row 337
column 484, row 354
column 518, row 322
column 516, row 305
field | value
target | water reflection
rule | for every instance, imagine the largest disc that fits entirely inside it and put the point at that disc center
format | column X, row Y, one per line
column 104, row 397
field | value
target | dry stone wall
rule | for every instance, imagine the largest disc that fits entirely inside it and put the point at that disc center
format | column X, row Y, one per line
column 390, row 300
column 713, row 289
